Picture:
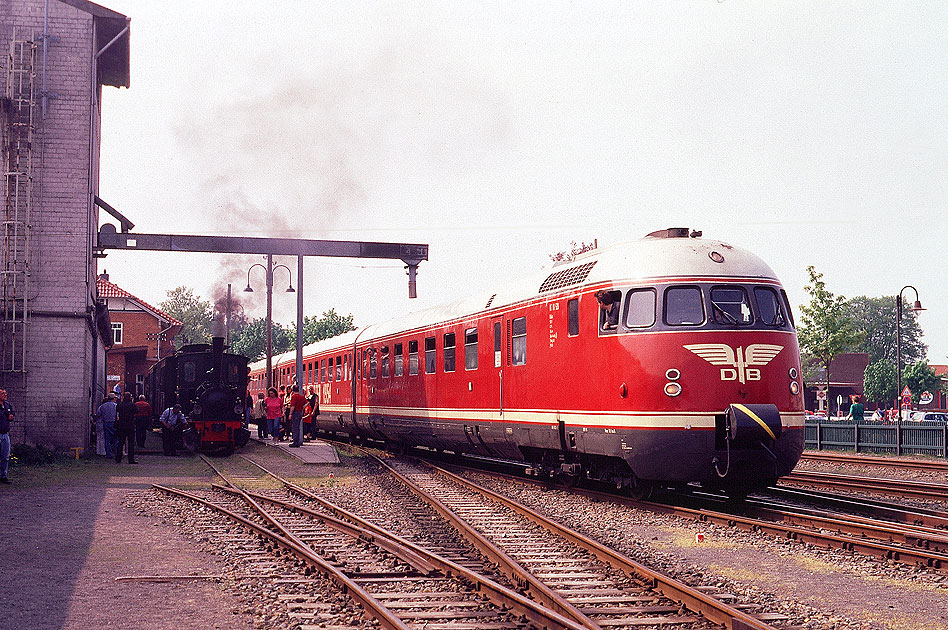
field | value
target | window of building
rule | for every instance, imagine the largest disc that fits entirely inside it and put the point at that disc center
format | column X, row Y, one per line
column 429, row 355
column 449, row 352
column 572, row 317
column 731, row 306
column 385, row 358
column 683, row 306
column 413, row 357
column 470, row 349
column 519, row 341
column 399, row 360
column 117, row 333
column 640, row 308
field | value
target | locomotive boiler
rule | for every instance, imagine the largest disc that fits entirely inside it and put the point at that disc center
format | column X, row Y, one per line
column 669, row 360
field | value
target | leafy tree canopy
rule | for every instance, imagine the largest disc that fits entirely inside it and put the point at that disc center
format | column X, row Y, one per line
column 876, row 317
column 879, row 382
column 196, row 315
column 330, row 325
column 249, row 338
column 826, row 328
column 920, row 377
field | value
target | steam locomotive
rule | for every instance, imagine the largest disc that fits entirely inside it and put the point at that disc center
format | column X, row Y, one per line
column 669, row 360
column 210, row 386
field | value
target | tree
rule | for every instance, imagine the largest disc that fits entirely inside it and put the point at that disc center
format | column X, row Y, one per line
column 825, row 329
column 250, row 339
column 876, row 317
column 575, row 250
column 920, row 377
column 196, row 315
column 879, row 382
column 330, row 325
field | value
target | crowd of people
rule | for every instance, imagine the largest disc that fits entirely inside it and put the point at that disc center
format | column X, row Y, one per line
column 122, row 426
column 282, row 415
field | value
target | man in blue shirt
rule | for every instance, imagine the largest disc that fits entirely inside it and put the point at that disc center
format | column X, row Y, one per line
column 6, row 418
column 106, row 414
column 172, row 423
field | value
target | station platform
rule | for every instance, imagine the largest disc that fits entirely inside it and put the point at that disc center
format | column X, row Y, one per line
column 312, row 451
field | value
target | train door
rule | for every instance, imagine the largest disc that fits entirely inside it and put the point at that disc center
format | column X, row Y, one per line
column 495, row 396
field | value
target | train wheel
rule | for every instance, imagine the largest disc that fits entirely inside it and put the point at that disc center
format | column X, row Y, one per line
column 640, row 490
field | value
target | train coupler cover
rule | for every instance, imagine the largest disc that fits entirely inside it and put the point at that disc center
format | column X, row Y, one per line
column 753, row 424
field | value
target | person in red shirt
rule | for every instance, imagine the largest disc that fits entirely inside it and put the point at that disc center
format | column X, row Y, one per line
column 142, row 421
column 297, row 403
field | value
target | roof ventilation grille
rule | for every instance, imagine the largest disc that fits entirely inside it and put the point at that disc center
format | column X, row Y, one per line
column 567, row 277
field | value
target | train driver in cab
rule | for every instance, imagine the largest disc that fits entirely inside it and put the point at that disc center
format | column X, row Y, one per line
column 609, row 307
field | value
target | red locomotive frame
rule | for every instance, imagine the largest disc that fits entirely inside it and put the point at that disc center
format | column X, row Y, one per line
column 704, row 388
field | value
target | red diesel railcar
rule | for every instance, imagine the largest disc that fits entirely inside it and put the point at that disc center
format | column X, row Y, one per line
column 697, row 379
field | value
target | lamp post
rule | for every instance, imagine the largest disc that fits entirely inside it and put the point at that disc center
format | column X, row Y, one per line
column 269, row 269
column 898, row 340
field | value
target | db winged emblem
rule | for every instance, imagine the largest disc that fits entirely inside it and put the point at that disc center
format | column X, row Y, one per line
column 740, row 360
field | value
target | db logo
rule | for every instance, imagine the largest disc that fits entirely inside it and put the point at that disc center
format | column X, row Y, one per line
column 740, row 359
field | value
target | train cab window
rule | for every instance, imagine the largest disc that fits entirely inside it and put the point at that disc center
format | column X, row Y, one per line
column 518, row 350
column 731, row 306
column 330, row 368
column 373, row 363
column 338, row 368
column 640, row 308
column 188, row 372
column 609, row 302
column 683, row 306
column 384, row 361
column 572, row 317
column 399, row 360
column 470, row 349
column 786, row 306
column 449, row 362
column 413, row 357
column 769, row 307
column 429, row 355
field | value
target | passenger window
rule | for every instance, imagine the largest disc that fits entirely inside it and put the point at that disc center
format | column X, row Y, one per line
column 572, row 317
column 188, row 372
column 730, row 306
column 519, row 341
column 399, row 360
column 338, row 368
column 769, row 307
column 429, row 355
column 683, row 306
column 384, row 361
column 470, row 349
column 373, row 363
column 449, row 352
column 322, row 371
column 413, row 357
column 330, row 369
column 640, row 308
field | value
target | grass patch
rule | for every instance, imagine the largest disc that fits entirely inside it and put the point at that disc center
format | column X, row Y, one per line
column 814, row 565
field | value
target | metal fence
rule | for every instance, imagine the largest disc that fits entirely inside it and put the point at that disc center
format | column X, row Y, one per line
column 901, row 438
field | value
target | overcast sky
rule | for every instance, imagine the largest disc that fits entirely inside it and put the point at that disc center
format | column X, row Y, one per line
column 809, row 133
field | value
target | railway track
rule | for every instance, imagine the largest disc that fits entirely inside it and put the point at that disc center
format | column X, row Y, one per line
column 891, row 487
column 886, row 462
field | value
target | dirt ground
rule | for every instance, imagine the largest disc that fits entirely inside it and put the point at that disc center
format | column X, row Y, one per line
column 64, row 538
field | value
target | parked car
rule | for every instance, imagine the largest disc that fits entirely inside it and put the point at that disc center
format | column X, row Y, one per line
column 929, row 416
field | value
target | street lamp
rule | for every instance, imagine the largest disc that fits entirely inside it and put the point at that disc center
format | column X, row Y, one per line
column 898, row 340
column 269, row 272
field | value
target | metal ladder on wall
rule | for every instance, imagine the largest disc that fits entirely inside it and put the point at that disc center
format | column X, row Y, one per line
column 17, row 125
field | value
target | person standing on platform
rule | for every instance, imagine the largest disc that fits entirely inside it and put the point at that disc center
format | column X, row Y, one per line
column 274, row 411
column 125, row 428
column 297, row 403
column 142, row 420
column 6, row 419
column 172, row 423
column 857, row 411
column 106, row 414
column 259, row 415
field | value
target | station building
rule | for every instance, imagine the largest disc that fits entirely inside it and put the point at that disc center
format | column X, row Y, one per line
column 141, row 336
column 57, row 57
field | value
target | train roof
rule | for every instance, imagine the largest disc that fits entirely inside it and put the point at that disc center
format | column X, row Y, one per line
column 660, row 256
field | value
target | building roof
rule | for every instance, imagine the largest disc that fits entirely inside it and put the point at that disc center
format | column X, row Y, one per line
column 109, row 290
column 113, row 64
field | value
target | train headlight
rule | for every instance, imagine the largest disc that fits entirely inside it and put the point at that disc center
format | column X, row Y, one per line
column 794, row 388
column 672, row 389
column 793, row 373
column 673, row 374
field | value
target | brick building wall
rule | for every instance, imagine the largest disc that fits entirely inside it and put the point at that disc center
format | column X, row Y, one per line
column 65, row 359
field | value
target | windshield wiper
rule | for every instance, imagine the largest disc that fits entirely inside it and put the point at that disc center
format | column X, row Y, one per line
column 721, row 310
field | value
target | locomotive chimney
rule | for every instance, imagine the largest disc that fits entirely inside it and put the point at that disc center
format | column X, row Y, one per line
column 217, row 333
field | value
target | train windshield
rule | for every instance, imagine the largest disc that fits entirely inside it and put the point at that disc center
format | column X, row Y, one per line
column 730, row 305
